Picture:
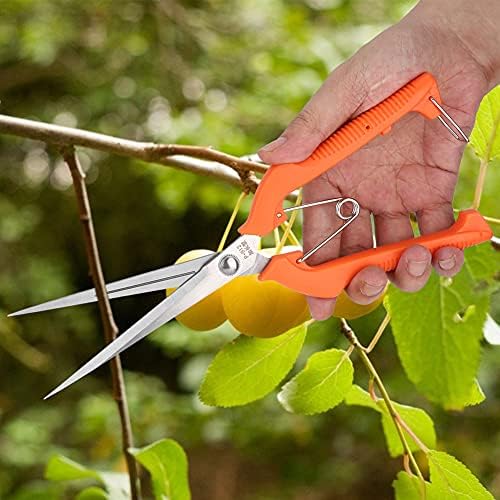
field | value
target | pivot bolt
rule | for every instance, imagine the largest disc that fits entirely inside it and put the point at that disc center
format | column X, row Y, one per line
column 229, row 265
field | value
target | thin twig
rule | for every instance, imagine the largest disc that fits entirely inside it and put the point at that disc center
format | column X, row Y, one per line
column 108, row 322
column 351, row 336
column 148, row 151
column 196, row 159
column 410, row 432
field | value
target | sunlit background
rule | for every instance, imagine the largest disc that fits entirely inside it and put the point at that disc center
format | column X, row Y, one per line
column 225, row 73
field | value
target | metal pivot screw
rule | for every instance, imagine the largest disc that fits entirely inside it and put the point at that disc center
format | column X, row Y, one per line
column 229, row 265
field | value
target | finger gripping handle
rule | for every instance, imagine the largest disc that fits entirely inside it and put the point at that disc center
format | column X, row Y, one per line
column 280, row 180
column 329, row 279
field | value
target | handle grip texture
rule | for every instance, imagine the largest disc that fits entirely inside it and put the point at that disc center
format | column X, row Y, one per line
column 329, row 279
column 280, row 180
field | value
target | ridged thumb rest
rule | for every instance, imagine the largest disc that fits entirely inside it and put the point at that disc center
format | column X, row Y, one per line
column 280, row 180
column 329, row 279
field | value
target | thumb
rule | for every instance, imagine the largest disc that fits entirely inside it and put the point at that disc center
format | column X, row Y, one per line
column 337, row 100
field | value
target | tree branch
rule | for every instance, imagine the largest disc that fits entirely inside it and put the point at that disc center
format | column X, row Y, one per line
column 203, row 161
column 108, row 322
column 147, row 151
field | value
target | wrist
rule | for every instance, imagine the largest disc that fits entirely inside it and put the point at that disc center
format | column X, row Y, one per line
column 474, row 26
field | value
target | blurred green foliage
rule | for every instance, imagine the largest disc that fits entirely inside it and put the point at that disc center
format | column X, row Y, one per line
column 222, row 73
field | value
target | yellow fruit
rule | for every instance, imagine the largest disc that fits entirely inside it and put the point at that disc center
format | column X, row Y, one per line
column 206, row 314
column 346, row 308
column 263, row 308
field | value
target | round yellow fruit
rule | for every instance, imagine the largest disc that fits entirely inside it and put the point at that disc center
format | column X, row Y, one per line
column 346, row 308
column 209, row 312
column 262, row 308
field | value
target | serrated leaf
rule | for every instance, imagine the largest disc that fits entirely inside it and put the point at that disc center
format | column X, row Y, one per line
column 249, row 368
column 321, row 385
column 166, row 461
column 416, row 419
column 408, row 487
column 438, row 331
column 92, row 493
column 359, row 397
column 451, row 479
column 476, row 396
column 61, row 468
column 485, row 136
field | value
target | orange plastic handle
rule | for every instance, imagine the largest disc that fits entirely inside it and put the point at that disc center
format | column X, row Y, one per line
column 280, row 180
column 329, row 279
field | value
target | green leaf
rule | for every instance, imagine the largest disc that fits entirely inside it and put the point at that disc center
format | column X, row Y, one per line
column 321, row 385
column 438, row 331
column 166, row 461
column 408, row 487
column 485, row 137
column 249, row 368
column 61, row 468
column 416, row 419
column 359, row 397
column 92, row 493
column 451, row 479
column 476, row 395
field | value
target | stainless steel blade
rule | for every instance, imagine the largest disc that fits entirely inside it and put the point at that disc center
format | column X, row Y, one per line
column 209, row 278
column 159, row 279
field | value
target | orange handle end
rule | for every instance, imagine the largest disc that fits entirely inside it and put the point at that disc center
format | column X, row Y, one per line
column 329, row 279
column 280, row 180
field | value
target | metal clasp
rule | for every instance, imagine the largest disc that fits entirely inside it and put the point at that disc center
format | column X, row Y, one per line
column 340, row 202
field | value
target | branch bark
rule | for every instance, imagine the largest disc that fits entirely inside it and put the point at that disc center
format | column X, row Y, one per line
column 214, row 162
column 199, row 160
column 108, row 322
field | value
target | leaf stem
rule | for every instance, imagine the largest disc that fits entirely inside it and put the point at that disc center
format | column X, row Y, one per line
column 231, row 220
column 276, row 233
column 379, row 333
column 289, row 225
column 291, row 236
column 408, row 429
column 483, row 166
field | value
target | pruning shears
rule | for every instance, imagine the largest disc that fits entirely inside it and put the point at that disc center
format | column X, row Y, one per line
column 198, row 278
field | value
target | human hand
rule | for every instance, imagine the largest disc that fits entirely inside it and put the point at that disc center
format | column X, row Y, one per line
column 411, row 170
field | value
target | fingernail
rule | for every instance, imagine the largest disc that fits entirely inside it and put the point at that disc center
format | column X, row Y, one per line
column 277, row 143
column 370, row 289
column 447, row 264
column 416, row 267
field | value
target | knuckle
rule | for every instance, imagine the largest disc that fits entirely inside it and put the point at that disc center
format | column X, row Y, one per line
column 309, row 120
